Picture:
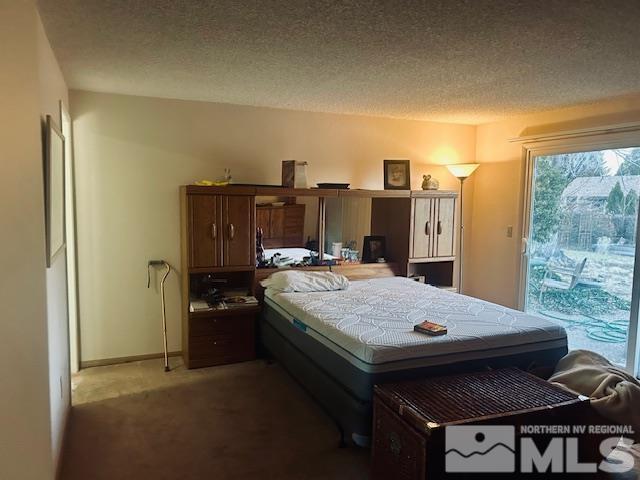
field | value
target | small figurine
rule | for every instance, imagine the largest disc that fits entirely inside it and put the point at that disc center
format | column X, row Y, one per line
column 429, row 183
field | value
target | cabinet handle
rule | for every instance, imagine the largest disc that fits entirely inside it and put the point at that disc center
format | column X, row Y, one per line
column 427, row 228
column 232, row 231
column 214, row 231
column 439, row 227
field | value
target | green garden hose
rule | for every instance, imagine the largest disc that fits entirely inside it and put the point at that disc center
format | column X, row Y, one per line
column 596, row 328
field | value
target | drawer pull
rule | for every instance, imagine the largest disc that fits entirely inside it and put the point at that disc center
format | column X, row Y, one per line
column 214, row 231
column 232, row 231
column 439, row 227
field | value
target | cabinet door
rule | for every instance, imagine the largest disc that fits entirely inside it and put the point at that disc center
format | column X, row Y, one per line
column 423, row 230
column 444, row 227
column 239, row 244
column 294, row 225
column 277, row 222
column 205, row 231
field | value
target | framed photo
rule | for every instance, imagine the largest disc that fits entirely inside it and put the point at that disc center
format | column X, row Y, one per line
column 397, row 175
column 373, row 248
column 54, row 189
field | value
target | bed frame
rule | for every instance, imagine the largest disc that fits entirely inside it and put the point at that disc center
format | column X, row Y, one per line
column 347, row 398
column 325, row 375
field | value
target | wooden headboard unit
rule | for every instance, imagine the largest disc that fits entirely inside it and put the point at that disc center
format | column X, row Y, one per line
column 360, row 271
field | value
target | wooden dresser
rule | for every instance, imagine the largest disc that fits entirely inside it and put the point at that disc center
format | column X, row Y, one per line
column 218, row 241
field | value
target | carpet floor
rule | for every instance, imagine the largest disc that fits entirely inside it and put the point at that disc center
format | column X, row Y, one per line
column 242, row 421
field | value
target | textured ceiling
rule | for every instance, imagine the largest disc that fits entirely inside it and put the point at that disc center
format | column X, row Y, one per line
column 450, row 60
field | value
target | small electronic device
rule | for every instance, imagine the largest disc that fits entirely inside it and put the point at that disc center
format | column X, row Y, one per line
column 430, row 328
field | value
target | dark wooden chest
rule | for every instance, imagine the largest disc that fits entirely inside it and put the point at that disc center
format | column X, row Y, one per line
column 411, row 420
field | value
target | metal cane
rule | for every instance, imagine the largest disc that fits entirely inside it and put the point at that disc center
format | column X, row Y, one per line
column 153, row 263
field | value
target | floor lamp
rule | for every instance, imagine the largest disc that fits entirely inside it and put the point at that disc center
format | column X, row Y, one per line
column 462, row 171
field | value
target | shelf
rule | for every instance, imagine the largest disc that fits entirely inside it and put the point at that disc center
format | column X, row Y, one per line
column 295, row 192
column 221, row 269
column 227, row 190
column 431, row 259
column 253, row 309
column 374, row 193
column 277, row 191
column 433, row 193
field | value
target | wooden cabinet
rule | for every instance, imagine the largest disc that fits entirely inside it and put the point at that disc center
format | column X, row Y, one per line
column 220, row 337
column 204, row 226
column 220, row 231
column 218, row 243
column 420, row 233
column 433, row 227
column 444, row 222
column 239, row 239
column 422, row 238
column 282, row 226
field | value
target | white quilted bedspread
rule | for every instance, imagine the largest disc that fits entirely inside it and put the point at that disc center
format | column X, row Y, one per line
column 374, row 319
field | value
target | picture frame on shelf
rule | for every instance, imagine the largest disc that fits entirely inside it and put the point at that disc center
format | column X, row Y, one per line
column 397, row 175
column 373, row 249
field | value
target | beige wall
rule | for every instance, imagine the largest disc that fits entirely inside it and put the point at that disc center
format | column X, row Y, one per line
column 493, row 261
column 52, row 90
column 30, row 424
column 132, row 153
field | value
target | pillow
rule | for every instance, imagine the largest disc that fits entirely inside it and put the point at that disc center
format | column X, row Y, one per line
column 296, row 281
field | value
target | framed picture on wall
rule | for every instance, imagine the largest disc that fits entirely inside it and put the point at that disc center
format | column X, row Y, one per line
column 397, row 175
column 54, row 189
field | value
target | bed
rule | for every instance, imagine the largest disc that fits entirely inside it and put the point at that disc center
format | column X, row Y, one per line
column 339, row 344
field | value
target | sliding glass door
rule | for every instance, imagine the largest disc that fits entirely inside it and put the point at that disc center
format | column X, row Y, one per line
column 580, row 248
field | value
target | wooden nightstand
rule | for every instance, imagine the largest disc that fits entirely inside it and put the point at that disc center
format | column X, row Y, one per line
column 219, row 337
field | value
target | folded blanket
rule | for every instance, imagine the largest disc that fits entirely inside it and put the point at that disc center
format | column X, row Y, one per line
column 614, row 393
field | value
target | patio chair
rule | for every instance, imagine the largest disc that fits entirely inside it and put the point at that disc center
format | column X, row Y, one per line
column 570, row 277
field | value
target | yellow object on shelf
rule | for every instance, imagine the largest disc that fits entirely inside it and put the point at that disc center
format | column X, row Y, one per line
column 209, row 183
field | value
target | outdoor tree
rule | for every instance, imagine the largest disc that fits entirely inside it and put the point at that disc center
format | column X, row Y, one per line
column 630, row 161
column 549, row 184
column 616, row 207
column 581, row 164
column 615, row 201
column 631, row 203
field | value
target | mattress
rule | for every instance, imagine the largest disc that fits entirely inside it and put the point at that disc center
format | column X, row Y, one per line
column 371, row 324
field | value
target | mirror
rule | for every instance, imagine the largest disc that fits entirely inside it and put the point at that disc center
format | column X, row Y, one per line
column 347, row 222
column 287, row 229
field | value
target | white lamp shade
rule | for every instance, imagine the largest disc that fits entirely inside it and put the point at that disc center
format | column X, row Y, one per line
column 462, row 170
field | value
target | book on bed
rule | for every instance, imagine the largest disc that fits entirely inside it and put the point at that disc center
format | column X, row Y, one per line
column 430, row 328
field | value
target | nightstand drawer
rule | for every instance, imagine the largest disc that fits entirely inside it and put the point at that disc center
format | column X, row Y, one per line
column 218, row 337
column 218, row 325
column 233, row 342
column 214, row 345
